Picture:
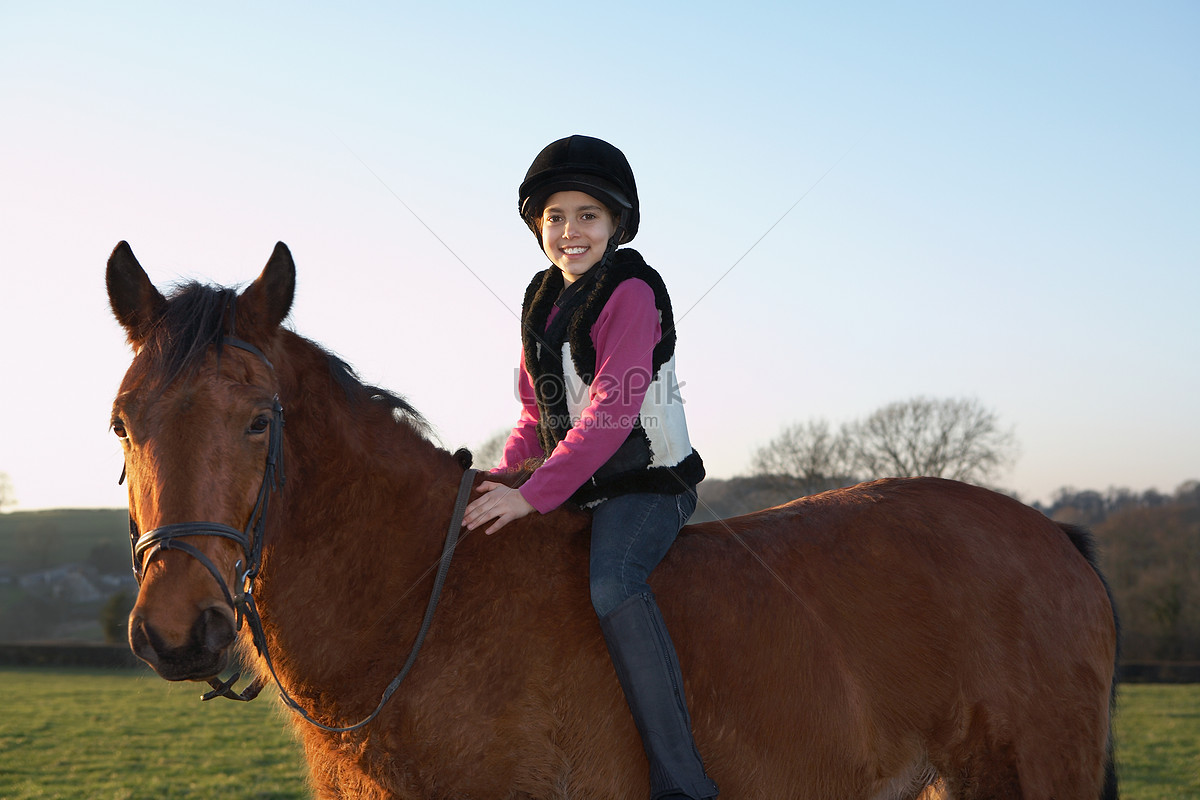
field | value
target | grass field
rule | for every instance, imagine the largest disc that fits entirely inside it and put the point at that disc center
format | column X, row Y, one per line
column 129, row 735
column 1158, row 742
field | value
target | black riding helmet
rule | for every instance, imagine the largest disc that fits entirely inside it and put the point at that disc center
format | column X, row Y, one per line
column 582, row 164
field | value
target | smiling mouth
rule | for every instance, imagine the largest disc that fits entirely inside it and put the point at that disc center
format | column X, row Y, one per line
column 574, row 251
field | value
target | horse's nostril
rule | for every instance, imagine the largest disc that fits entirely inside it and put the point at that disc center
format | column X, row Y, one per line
column 140, row 641
column 215, row 630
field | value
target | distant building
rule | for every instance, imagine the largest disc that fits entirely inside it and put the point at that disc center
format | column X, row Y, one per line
column 73, row 583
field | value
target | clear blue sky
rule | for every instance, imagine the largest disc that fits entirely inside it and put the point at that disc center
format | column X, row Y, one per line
column 996, row 201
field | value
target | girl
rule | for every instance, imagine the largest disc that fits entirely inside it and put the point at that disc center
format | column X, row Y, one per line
column 601, row 405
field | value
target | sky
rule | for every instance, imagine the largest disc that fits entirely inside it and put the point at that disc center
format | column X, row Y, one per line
column 852, row 204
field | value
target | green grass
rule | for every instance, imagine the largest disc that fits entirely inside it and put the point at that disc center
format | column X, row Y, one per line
column 129, row 735
column 1158, row 742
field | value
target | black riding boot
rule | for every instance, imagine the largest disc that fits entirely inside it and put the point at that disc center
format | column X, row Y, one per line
column 646, row 665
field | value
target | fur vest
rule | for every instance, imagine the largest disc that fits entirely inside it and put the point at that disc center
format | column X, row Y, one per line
column 657, row 456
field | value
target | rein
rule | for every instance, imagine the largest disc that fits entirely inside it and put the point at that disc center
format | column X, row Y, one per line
column 167, row 537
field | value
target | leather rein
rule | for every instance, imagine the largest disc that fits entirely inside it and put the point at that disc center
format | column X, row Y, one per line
column 168, row 537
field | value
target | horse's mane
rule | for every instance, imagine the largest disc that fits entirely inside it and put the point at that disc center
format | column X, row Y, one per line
column 358, row 392
column 196, row 317
column 193, row 319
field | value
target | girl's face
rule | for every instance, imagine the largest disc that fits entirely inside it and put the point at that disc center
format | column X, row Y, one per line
column 576, row 228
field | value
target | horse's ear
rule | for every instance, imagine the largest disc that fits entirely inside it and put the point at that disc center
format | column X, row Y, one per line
column 269, row 299
column 135, row 302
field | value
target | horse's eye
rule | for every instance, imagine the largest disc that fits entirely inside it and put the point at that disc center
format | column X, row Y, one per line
column 118, row 428
column 260, row 424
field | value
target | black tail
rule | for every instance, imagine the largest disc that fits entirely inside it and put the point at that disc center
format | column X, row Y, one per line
column 1086, row 545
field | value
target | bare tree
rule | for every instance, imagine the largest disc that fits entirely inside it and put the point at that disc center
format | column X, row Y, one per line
column 8, row 497
column 811, row 453
column 951, row 438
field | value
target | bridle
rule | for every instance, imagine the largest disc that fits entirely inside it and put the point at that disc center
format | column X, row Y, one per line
column 167, row 537
column 251, row 538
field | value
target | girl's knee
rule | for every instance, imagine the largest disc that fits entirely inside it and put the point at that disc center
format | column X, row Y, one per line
column 607, row 595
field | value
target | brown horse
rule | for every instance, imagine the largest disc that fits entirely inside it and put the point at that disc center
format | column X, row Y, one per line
column 900, row 639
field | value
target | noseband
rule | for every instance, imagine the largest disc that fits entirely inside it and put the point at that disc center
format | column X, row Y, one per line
column 250, row 539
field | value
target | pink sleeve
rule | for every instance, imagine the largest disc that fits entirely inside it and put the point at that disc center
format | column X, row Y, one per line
column 523, row 442
column 624, row 335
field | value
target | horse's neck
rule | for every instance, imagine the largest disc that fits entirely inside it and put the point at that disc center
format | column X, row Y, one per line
column 361, row 518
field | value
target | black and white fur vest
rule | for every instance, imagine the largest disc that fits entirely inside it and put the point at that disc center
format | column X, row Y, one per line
column 657, row 456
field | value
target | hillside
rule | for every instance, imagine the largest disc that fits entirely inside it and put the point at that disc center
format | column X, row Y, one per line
column 60, row 570
column 42, row 539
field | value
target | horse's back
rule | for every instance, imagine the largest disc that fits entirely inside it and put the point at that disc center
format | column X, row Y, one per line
column 918, row 624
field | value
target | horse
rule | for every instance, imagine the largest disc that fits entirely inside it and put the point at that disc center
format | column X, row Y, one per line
column 902, row 638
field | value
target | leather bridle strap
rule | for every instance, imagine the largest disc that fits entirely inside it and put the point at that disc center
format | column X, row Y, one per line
column 166, row 538
column 222, row 689
column 242, row 344
column 251, row 539
column 145, row 545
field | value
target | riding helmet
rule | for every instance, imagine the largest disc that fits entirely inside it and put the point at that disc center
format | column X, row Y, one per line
column 583, row 164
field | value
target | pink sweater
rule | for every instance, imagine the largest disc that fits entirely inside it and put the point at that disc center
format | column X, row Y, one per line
column 625, row 335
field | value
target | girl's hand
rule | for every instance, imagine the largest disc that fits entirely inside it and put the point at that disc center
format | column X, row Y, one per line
column 499, row 502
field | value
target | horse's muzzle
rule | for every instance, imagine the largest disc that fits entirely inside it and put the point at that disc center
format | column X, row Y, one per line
column 205, row 654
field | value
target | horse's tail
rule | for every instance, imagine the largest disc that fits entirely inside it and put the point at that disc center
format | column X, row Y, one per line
column 1086, row 545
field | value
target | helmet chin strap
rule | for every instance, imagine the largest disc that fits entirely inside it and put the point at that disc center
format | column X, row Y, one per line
column 608, row 251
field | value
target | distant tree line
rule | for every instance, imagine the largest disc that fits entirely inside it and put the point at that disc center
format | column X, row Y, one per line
column 1150, row 553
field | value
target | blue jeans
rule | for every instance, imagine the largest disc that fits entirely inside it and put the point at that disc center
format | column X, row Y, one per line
column 630, row 534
